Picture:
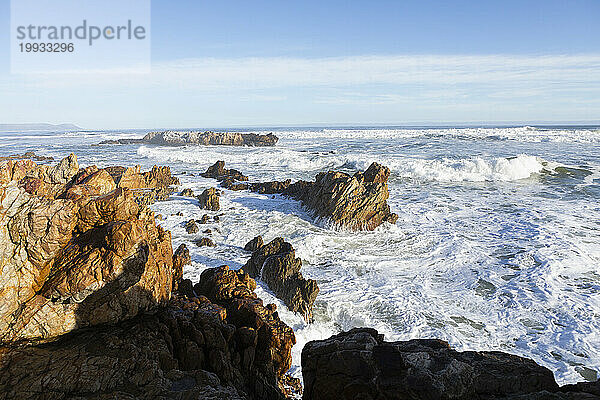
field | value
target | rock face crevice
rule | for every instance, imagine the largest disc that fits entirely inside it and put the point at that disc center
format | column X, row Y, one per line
column 359, row 364
column 275, row 263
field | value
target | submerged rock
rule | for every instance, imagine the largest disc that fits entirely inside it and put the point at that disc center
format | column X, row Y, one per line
column 209, row 199
column 276, row 264
column 357, row 202
column 359, row 364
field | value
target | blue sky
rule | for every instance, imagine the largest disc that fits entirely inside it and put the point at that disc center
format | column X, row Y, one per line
column 265, row 63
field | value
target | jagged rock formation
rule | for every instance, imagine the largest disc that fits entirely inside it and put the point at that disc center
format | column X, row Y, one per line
column 176, row 138
column 218, row 172
column 229, row 178
column 148, row 187
column 209, row 200
column 187, row 192
column 69, row 260
column 205, row 242
column 276, row 264
column 359, row 364
column 357, row 202
column 181, row 257
column 270, row 187
column 191, row 227
column 226, row 346
column 254, row 244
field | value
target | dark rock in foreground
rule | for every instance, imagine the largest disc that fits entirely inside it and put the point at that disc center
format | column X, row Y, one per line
column 359, row 364
column 276, row 264
column 357, row 202
column 220, row 342
column 176, row 138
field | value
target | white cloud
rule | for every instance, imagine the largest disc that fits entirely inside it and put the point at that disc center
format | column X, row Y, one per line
column 267, row 73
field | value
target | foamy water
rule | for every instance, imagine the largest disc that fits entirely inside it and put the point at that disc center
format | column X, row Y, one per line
column 497, row 246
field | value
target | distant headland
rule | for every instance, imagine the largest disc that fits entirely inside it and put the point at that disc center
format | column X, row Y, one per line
column 38, row 127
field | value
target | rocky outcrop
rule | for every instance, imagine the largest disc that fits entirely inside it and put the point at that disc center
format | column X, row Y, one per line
column 177, row 138
column 181, row 258
column 187, row 192
column 254, row 244
column 75, row 261
column 87, row 308
column 270, row 187
column 218, row 172
column 235, row 291
column 191, row 227
column 27, row 155
column 148, row 187
column 205, row 242
column 357, row 202
column 209, row 200
column 276, row 264
column 221, row 342
column 230, row 178
column 359, row 364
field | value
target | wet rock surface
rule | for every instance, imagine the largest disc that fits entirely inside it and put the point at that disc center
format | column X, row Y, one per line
column 357, row 202
column 209, row 200
column 177, row 138
column 254, row 244
column 276, row 264
column 359, row 364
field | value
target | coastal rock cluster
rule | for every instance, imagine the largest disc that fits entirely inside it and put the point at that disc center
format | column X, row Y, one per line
column 178, row 138
column 359, row 364
column 93, row 304
column 355, row 202
column 275, row 263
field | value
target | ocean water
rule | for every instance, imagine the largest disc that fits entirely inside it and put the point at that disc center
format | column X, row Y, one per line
column 497, row 246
